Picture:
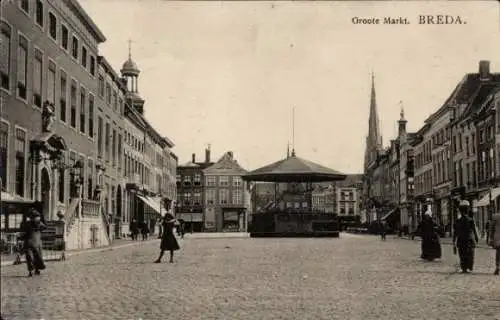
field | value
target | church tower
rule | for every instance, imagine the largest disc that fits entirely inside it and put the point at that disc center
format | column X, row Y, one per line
column 130, row 73
column 402, row 123
column 374, row 138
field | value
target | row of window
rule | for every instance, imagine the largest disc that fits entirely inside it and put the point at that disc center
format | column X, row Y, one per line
column 463, row 175
column 440, row 165
column 109, row 144
column 423, row 182
column 110, row 96
column 210, row 181
column 146, row 148
column 135, row 168
column 60, row 34
column 440, row 137
column 423, row 155
column 195, row 198
column 20, row 160
column 81, row 103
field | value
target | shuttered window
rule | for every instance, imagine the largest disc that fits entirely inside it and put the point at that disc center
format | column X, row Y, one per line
column 22, row 67
column 4, row 142
column 5, row 34
column 83, row 105
column 20, row 148
column 63, row 96
column 37, row 78
column 51, row 82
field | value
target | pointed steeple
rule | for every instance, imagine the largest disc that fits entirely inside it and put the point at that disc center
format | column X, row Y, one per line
column 374, row 122
column 374, row 138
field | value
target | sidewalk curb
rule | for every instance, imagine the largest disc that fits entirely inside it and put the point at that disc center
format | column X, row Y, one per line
column 95, row 250
column 480, row 246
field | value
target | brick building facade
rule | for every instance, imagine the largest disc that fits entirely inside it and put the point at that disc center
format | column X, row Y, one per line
column 62, row 128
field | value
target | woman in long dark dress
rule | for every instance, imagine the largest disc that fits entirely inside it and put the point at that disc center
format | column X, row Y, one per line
column 32, row 242
column 168, row 240
column 431, row 246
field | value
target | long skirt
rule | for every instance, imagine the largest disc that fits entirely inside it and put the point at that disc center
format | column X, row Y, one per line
column 34, row 258
column 431, row 248
column 466, row 254
column 168, row 241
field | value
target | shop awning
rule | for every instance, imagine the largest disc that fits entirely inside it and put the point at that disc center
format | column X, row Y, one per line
column 155, row 205
column 190, row 216
column 485, row 200
column 389, row 214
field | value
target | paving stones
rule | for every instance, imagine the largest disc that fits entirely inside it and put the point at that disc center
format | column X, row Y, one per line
column 354, row 277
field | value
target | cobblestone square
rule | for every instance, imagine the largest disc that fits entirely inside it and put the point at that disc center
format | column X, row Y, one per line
column 354, row 277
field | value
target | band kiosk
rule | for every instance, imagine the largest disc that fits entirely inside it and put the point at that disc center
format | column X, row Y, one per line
column 286, row 218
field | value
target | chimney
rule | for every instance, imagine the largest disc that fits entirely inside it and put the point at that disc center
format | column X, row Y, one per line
column 207, row 154
column 484, row 69
column 193, row 156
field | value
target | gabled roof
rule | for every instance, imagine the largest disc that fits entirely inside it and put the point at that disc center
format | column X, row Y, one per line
column 294, row 169
column 225, row 165
column 485, row 99
column 480, row 96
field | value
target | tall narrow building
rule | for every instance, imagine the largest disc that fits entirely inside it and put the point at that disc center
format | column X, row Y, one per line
column 372, row 150
column 374, row 137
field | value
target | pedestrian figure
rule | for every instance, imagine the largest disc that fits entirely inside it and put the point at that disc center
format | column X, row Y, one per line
column 180, row 229
column 494, row 237
column 168, row 240
column 488, row 228
column 382, row 228
column 32, row 242
column 465, row 237
column 134, row 229
column 144, row 231
column 431, row 246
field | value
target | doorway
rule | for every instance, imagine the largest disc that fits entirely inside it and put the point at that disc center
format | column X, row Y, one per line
column 118, row 219
column 45, row 190
column 94, row 236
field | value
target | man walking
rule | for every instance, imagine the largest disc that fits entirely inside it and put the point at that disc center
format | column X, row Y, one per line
column 494, row 237
column 382, row 228
column 465, row 237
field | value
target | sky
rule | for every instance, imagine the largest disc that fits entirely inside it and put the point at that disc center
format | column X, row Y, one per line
column 229, row 73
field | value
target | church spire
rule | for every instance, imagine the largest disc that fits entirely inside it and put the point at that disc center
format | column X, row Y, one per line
column 374, row 138
column 374, row 122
